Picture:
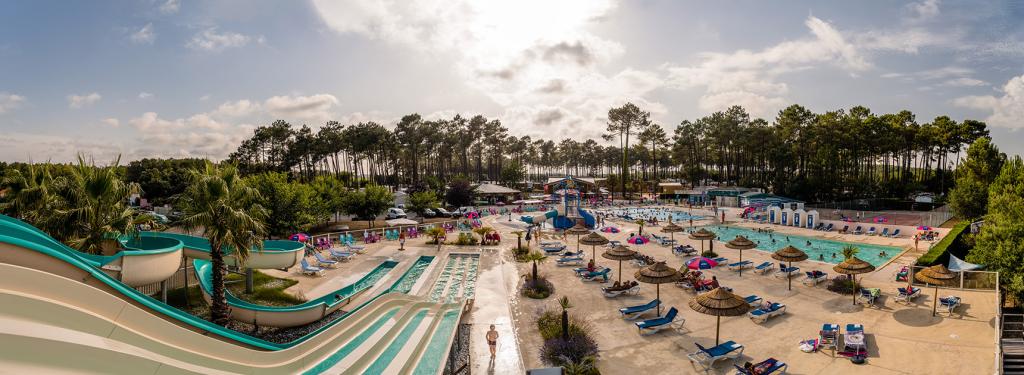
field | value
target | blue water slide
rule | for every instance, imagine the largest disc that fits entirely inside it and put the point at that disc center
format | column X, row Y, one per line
column 587, row 218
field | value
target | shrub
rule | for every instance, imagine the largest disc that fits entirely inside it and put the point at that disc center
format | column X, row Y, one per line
column 709, row 254
column 465, row 239
column 550, row 325
column 538, row 289
column 557, row 351
column 938, row 252
column 842, row 285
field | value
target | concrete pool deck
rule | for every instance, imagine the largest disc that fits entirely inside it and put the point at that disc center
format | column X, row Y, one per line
column 901, row 338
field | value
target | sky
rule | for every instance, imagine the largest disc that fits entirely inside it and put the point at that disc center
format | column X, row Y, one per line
column 181, row 78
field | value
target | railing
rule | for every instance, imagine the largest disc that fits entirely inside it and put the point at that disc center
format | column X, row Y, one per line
column 174, row 282
column 968, row 280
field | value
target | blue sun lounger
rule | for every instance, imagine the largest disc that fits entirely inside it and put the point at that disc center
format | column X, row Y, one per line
column 786, row 271
column 753, row 300
column 767, row 367
column 761, row 315
column 310, row 270
column 670, row 320
column 721, row 260
column 885, row 232
column 895, row 233
column 828, row 228
column 324, row 262
column 815, row 277
column 858, row 230
column 354, row 248
column 904, row 295
column 342, row 255
column 950, row 303
column 706, row 357
column 763, row 268
column 740, row 265
column 553, row 249
column 593, row 276
column 570, row 260
column 633, row 312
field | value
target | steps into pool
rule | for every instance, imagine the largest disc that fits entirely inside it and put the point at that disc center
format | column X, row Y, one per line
column 457, row 279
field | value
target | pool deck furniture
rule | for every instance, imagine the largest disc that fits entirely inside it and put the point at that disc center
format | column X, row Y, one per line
column 741, row 265
column 706, row 357
column 764, row 268
column 324, row 262
column 766, row 367
column 905, row 296
column 569, row 261
column 311, row 270
column 753, row 300
column 634, row 312
column 670, row 320
column 815, row 277
column 761, row 315
column 343, row 256
column 870, row 295
column 950, row 303
column 787, row 271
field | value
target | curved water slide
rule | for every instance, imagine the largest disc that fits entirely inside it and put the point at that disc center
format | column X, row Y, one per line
column 290, row 316
column 537, row 219
column 275, row 253
column 54, row 300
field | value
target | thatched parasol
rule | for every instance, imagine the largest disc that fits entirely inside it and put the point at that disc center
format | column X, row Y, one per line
column 578, row 230
column 719, row 302
column 593, row 239
column 853, row 267
column 740, row 243
column 657, row 273
column 789, row 254
column 936, row 275
column 619, row 253
column 703, row 235
column 671, row 229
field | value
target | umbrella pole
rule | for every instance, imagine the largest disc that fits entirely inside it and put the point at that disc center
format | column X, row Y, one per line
column 935, row 300
column 577, row 244
column 854, row 277
column 593, row 253
column 789, row 277
column 658, row 288
column 620, row 271
column 741, row 261
column 718, row 327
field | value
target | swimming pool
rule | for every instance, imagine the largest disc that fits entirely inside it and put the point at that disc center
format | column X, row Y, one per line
column 457, row 279
column 662, row 214
column 817, row 249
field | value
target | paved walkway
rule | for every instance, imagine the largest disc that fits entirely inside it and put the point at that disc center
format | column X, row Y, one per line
column 495, row 283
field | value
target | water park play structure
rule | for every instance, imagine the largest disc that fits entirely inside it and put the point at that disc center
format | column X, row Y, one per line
column 570, row 199
column 59, row 300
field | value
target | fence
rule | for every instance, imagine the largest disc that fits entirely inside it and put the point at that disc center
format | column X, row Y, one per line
column 174, row 282
column 933, row 218
column 971, row 280
column 459, row 355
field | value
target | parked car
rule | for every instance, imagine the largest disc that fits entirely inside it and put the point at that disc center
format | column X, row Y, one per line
column 462, row 211
column 429, row 213
column 395, row 213
column 441, row 212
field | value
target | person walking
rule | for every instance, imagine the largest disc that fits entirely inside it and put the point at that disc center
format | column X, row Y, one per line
column 492, row 340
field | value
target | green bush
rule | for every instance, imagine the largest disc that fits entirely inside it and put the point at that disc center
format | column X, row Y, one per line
column 577, row 352
column 465, row 239
column 538, row 289
column 709, row 254
column 937, row 252
column 842, row 285
column 550, row 325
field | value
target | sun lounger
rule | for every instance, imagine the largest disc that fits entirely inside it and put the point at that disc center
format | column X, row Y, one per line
column 740, row 265
column 764, row 268
column 670, row 320
column 870, row 295
column 895, row 233
column 904, row 295
column 815, row 277
column 871, row 231
column 828, row 337
column 310, row 270
column 355, row 249
column 683, row 250
column 610, row 293
column 601, row 276
column 553, row 249
column 324, row 262
column 846, row 228
column 765, row 367
column 853, row 340
column 721, row 260
column 885, row 232
column 950, row 303
column 341, row 255
column 828, row 228
column 569, row 261
column 706, row 357
column 580, row 271
column 859, row 230
column 786, row 271
column 761, row 315
column 753, row 300
column 634, row 312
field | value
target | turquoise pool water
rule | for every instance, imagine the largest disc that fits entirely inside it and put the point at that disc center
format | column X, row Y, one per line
column 389, row 353
column 659, row 213
column 457, row 279
column 816, row 248
column 406, row 282
column 437, row 350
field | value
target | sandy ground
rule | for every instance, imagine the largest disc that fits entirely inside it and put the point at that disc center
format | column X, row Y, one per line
column 902, row 338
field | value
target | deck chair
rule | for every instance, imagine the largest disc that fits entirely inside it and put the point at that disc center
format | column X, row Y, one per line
column 310, row 270
column 950, row 303
column 706, row 357
column 753, row 300
column 885, row 232
column 815, row 277
column 906, row 296
column 858, row 230
column 761, row 315
column 670, row 320
column 764, row 268
column 765, row 367
column 342, row 255
column 324, row 262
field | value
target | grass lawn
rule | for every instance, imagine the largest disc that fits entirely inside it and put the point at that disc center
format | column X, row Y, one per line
column 267, row 290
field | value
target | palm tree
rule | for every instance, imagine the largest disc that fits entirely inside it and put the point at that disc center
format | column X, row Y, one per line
column 27, row 196
column 482, row 232
column 219, row 202
column 849, row 251
column 91, row 209
column 565, row 305
column 436, row 234
column 641, row 224
column 535, row 257
column 585, row 366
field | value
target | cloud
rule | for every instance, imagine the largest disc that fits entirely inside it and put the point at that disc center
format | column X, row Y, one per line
column 82, row 101
column 313, row 107
column 145, row 95
column 239, row 108
column 111, row 122
column 170, row 6
column 964, row 82
column 145, row 35
column 537, row 60
column 204, row 98
column 10, row 102
column 212, row 40
column 17, row 146
column 750, row 78
column 924, row 10
column 1006, row 110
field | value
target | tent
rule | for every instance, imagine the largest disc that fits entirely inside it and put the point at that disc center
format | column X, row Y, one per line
column 957, row 264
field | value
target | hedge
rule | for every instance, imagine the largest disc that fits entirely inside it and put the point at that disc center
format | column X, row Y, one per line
column 937, row 252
